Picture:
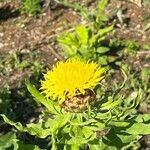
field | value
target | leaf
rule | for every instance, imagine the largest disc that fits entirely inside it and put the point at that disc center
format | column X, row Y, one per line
column 68, row 39
column 38, row 130
column 111, row 59
column 33, row 129
column 82, row 10
column 75, row 147
column 58, row 122
column 143, row 118
column 83, row 34
column 80, row 135
column 102, row 50
column 101, row 7
column 99, row 36
column 84, row 51
column 110, row 104
column 69, row 43
column 7, row 140
column 147, row 27
column 78, row 140
column 39, row 98
column 74, row 123
column 119, row 140
column 17, row 125
column 129, row 138
column 102, row 60
column 104, row 31
column 69, row 50
column 120, row 123
column 23, row 146
column 100, row 15
column 87, row 131
column 98, row 144
column 139, row 129
column 120, row 15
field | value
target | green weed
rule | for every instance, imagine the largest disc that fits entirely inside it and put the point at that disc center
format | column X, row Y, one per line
column 97, row 16
column 30, row 7
column 87, row 44
column 92, row 40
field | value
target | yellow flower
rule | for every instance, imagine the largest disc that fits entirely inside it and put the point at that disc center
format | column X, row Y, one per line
column 71, row 78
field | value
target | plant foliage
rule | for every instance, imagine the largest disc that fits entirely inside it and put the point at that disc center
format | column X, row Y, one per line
column 100, row 127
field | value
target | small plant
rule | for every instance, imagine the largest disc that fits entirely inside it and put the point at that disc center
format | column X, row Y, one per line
column 19, row 61
column 90, row 41
column 78, row 115
column 86, row 43
column 14, row 68
column 30, row 7
column 96, row 17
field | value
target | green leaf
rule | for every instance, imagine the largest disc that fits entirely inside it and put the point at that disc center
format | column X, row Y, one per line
column 79, row 140
column 69, row 50
column 7, row 140
column 139, row 129
column 81, row 9
column 58, row 122
column 23, row 146
column 120, row 123
column 83, row 34
column 101, row 7
column 17, row 125
column 58, row 127
column 111, row 58
column 104, row 31
column 84, row 51
column 69, row 43
column 39, row 98
column 102, row 50
column 68, row 39
column 87, row 131
column 110, row 104
column 143, row 118
column 99, row 144
column 129, row 138
column 99, row 36
column 75, row 123
column 118, row 140
column 33, row 129
column 101, row 10
column 102, row 60
column 38, row 130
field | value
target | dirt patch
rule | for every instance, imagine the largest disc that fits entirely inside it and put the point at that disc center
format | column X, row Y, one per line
column 130, row 21
column 30, row 33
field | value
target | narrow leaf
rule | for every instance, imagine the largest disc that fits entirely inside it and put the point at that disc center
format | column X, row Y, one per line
column 39, row 98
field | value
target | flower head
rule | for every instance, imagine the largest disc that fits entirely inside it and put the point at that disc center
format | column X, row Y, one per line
column 71, row 78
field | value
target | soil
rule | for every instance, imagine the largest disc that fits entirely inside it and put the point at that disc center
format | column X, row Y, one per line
column 23, row 32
